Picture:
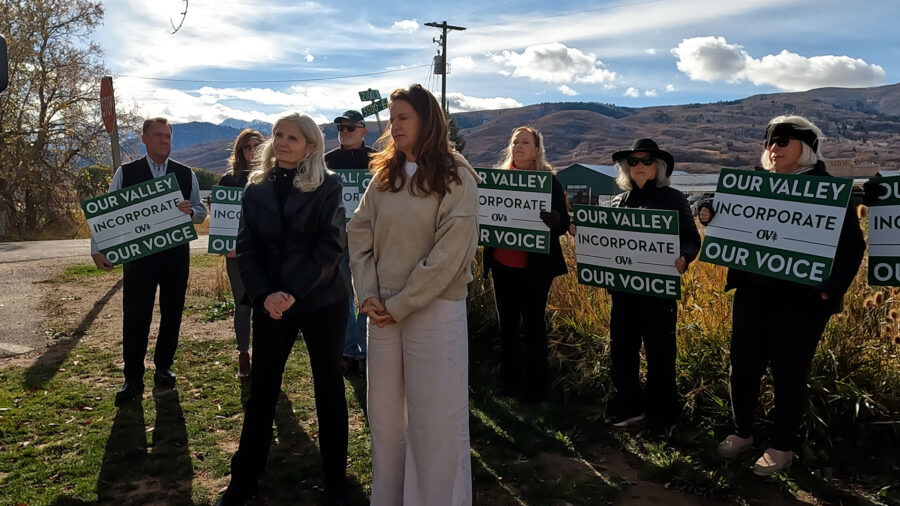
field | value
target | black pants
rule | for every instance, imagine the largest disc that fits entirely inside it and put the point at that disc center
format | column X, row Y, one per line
column 521, row 300
column 169, row 271
column 782, row 333
column 633, row 319
column 323, row 331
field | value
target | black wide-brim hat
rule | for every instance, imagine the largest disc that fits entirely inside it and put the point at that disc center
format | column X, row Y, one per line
column 647, row 146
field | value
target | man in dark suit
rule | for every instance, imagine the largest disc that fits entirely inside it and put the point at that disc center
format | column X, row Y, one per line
column 166, row 269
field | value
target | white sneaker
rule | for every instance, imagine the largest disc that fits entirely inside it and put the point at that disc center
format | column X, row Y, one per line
column 772, row 461
column 734, row 445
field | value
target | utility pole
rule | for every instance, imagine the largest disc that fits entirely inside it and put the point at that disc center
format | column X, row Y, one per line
column 443, row 67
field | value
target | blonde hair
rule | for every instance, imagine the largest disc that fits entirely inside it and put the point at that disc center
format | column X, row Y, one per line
column 624, row 181
column 310, row 171
column 808, row 157
column 540, row 158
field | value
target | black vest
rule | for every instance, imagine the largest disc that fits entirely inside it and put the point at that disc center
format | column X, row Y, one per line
column 138, row 171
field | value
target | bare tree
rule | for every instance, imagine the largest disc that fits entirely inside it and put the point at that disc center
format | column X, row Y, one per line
column 50, row 126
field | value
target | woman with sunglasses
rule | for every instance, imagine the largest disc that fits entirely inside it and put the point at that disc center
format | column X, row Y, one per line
column 644, row 172
column 522, row 280
column 241, row 157
column 779, row 323
column 412, row 241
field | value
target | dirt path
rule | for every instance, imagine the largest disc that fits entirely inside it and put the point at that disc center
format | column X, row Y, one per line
column 23, row 265
column 22, row 322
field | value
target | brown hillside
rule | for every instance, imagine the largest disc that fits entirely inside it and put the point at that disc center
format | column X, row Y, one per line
column 862, row 126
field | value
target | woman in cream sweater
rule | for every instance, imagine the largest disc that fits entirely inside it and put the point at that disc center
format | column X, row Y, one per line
column 412, row 241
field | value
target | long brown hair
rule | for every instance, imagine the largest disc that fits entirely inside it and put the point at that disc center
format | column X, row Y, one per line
column 434, row 156
column 237, row 161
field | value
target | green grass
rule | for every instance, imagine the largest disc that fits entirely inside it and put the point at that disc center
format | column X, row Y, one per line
column 63, row 442
column 76, row 272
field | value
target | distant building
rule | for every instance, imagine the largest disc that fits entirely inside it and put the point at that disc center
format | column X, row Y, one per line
column 589, row 184
column 690, row 184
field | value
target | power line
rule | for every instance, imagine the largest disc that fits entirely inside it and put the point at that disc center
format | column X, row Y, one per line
column 229, row 81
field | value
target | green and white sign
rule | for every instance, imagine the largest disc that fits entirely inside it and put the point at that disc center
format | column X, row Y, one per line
column 785, row 226
column 224, row 218
column 369, row 95
column 509, row 209
column 884, row 234
column 374, row 107
column 139, row 220
column 628, row 250
column 355, row 182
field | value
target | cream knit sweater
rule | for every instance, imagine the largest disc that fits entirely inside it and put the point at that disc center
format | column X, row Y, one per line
column 420, row 248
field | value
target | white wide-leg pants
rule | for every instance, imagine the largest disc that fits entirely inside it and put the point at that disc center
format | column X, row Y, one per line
column 418, row 402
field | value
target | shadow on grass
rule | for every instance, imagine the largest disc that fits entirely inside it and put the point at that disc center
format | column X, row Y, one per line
column 133, row 472
column 46, row 366
column 294, row 473
column 528, row 454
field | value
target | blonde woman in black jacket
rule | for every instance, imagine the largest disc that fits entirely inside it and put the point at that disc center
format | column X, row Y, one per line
column 290, row 242
column 644, row 172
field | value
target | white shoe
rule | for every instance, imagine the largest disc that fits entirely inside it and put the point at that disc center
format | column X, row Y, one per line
column 734, row 445
column 772, row 461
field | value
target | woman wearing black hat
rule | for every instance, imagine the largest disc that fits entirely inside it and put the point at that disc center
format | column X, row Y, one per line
column 779, row 323
column 644, row 172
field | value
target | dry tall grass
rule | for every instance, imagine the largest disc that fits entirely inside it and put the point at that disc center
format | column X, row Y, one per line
column 855, row 377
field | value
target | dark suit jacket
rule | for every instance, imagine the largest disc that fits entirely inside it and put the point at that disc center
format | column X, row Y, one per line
column 295, row 249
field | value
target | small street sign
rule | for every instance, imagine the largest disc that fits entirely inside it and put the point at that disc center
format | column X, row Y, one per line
column 369, row 95
column 375, row 107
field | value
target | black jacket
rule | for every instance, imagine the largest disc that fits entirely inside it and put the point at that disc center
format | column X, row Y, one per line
column 229, row 179
column 295, row 249
column 553, row 263
column 341, row 159
column 666, row 197
column 847, row 260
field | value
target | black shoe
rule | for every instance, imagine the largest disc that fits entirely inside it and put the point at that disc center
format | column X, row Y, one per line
column 128, row 391
column 350, row 365
column 164, row 378
column 234, row 497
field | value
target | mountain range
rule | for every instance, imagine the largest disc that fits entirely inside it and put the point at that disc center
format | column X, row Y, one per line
column 861, row 125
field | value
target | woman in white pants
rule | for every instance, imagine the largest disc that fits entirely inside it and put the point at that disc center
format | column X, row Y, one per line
column 412, row 241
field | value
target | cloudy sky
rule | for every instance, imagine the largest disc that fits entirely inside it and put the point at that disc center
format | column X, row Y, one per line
column 257, row 59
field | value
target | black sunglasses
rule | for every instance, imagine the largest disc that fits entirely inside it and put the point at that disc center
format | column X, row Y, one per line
column 781, row 141
column 349, row 128
column 633, row 161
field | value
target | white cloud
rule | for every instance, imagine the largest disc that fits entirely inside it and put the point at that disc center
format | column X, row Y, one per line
column 650, row 51
column 308, row 56
column 714, row 59
column 632, row 92
column 406, row 25
column 460, row 103
column 567, row 91
column 670, row 88
column 462, row 63
column 650, row 93
column 555, row 63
